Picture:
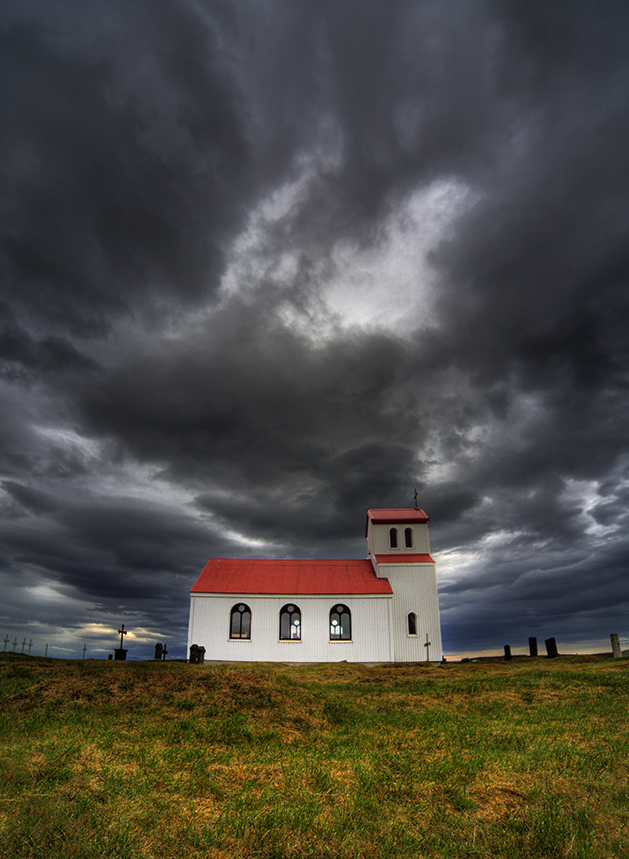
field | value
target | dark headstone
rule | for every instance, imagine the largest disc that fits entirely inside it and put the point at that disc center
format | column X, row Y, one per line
column 158, row 652
column 508, row 652
column 532, row 646
column 551, row 648
column 120, row 654
column 197, row 654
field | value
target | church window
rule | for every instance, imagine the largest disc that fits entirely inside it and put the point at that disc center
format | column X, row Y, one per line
column 408, row 538
column 393, row 538
column 290, row 623
column 240, row 621
column 412, row 623
column 340, row 623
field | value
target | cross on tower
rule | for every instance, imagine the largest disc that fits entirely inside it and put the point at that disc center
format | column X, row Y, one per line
column 416, row 507
column 121, row 633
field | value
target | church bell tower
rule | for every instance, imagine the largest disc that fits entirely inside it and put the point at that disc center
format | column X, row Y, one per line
column 399, row 550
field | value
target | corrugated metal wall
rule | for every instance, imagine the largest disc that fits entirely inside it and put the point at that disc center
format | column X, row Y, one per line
column 371, row 639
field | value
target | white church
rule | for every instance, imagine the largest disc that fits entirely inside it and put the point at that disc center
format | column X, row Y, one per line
column 384, row 608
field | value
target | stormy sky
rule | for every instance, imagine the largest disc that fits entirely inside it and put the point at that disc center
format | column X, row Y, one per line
column 264, row 265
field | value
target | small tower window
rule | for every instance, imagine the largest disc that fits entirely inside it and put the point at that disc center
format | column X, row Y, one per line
column 340, row 623
column 393, row 538
column 408, row 538
column 290, row 623
column 412, row 623
column 240, row 621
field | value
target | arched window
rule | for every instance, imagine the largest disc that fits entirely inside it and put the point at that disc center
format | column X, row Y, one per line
column 340, row 623
column 240, row 621
column 290, row 623
column 412, row 623
column 408, row 538
column 393, row 538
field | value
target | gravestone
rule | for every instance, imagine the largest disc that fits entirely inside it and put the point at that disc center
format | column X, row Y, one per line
column 551, row 648
column 532, row 645
column 197, row 654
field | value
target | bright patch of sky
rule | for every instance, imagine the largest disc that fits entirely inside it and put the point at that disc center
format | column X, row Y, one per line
column 67, row 438
column 244, row 540
column 585, row 495
column 390, row 284
column 386, row 284
column 46, row 593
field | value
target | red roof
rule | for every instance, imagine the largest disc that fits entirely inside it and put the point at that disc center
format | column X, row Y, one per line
column 273, row 576
column 404, row 559
column 396, row 516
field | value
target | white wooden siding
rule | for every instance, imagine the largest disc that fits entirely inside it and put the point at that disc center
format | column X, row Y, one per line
column 378, row 539
column 371, row 629
column 414, row 590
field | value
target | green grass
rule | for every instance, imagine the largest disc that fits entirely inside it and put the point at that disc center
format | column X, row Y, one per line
column 170, row 761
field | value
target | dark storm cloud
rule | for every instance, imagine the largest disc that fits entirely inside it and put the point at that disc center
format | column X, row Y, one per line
column 281, row 426
column 583, row 599
column 152, row 154
column 23, row 357
column 122, row 156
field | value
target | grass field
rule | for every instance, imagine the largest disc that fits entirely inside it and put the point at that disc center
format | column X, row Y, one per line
column 490, row 759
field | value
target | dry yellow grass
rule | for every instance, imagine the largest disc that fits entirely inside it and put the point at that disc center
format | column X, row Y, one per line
column 143, row 760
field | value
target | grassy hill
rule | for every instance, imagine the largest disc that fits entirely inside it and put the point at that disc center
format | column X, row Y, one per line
column 490, row 759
